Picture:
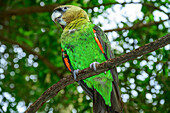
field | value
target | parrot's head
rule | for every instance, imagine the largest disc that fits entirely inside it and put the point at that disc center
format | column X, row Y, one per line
column 67, row 13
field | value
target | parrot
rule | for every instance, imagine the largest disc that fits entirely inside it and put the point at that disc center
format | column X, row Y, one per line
column 83, row 45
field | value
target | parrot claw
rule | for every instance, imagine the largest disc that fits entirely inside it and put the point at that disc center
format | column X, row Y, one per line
column 75, row 72
column 93, row 65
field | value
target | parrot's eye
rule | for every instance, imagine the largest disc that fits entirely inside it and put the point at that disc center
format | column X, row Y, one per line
column 64, row 8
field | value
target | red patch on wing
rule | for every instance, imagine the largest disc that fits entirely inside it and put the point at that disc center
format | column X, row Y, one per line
column 67, row 63
column 99, row 44
column 94, row 31
column 62, row 50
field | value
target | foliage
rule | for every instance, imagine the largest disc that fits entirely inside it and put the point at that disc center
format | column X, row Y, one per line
column 24, row 76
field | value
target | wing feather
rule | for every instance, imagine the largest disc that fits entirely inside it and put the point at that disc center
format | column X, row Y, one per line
column 68, row 65
column 103, row 40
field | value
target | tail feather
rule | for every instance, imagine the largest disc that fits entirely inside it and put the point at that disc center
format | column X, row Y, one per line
column 88, row 90
column 116, row 82
column 99, row 105
column 116, row 100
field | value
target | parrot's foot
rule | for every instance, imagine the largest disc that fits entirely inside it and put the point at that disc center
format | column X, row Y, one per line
column 93, row 65
column 75, row 72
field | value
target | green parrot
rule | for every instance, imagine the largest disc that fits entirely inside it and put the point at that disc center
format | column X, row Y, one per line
column 84, row 44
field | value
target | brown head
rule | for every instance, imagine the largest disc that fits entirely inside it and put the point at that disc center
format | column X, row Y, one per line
column 67, row 13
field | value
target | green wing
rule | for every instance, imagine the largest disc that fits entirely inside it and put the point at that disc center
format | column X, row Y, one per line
column 104, row 42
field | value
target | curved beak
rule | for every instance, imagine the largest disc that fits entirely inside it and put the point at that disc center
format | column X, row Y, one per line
column 55, row 16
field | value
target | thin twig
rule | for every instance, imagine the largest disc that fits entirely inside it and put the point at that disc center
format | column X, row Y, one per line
column 31, row 51
column 49, row 8
column 30, row 10
column 136, row 26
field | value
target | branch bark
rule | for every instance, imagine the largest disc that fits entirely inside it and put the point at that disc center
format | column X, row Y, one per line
column 29, row 10
column 111, row 3
column 49, row 8
column 53, row 90
column 136, row 26
column 30, row 51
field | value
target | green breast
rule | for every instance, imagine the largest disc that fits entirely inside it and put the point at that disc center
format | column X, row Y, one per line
column 81, row 47
column 83, row 50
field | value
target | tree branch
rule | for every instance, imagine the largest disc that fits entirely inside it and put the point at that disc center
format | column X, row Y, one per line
column 136, row 26
column 111, row 3
column 53, row 90
column 29, row 10
column 49, row 8
column 154, row 7
column 29, row 50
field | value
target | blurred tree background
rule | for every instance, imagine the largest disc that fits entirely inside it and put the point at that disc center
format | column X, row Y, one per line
column 30, row 56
